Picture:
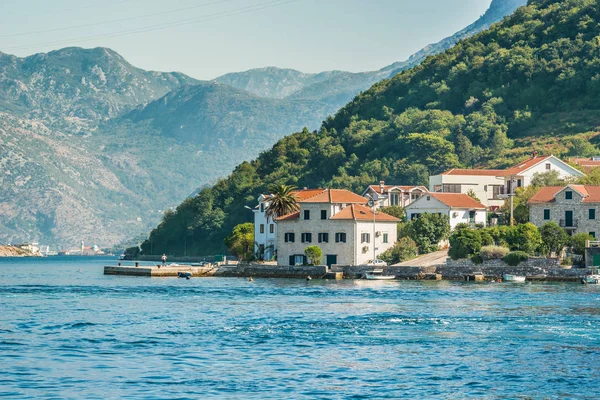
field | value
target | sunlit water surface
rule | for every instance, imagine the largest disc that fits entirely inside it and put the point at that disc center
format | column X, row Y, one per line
column 68, row 331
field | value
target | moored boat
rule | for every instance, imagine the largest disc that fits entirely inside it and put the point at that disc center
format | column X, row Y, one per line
column 513, row 278
column 593, row 279
column 377, row 276
column 184, row 274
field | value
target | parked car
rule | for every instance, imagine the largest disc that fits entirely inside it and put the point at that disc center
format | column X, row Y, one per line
column 377, row 263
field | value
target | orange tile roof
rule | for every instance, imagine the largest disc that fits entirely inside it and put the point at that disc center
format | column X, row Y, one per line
column 547, row 194
column 387, row 188
column 289, row 217
column 457, row 200
column 476, row 172
column 359, row 212
column 334, row 196
column 525, row 165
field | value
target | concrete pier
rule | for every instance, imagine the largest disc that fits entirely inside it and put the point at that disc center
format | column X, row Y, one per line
column 159, row 271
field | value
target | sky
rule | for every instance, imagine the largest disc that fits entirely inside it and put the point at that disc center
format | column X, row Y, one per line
column 208, row 38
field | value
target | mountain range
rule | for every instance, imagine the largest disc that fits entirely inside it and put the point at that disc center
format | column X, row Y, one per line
column 95, row 149
column 527, row 84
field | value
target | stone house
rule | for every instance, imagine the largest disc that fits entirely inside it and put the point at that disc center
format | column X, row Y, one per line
column 340, row 223
column 490, row 185
column 394, row 195
column 459, row 208
column 574, row 207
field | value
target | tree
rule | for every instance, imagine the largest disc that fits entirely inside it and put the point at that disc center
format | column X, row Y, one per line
column 314, row 254
column 464, row 242
column 471, row 194
column 428, row 230
column 404, row 249
column 394, row 211
column 524, row 237
column 241, row 241
column 548, row 178
column 554, row 238
column 578, row 243
column 283, row 201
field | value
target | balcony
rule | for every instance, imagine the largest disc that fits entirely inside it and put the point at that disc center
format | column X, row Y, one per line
column 568, row 224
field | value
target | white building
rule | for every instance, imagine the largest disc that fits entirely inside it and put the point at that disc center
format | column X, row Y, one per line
column 394, row 195
column 459, row 208
column 265, row 231
column 489, row 185
column 339, row 222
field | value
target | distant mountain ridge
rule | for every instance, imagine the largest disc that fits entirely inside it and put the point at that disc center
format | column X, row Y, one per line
column 339, row 87
column 95, row 149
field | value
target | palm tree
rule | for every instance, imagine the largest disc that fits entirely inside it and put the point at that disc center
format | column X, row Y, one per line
column 282, row 202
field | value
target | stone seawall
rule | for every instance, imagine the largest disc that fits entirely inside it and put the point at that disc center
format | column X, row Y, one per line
column 274, row 271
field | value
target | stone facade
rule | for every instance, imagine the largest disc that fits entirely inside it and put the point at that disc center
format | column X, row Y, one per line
column 559, row 209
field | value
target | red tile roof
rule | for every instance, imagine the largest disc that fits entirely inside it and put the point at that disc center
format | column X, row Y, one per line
column 457, row 200
column 289, row 217
column 591, row 194
column 359, row 212
column 334, row 196
column 387, row 188
column 476, row 172
column 525, row 165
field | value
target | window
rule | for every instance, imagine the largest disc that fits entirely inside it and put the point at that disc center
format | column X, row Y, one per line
column 323, row 214
column 394, row 199
column 428, row 198
column 262, row 228
column 593, row 234
column 385, row 238
column 271, row 228
column 262, row 207
column 365, row 238
column 568, row 195
column 451, row 188
column 519, row 183
column 306, row 238
column 592, row 213
column 472, row 217
column 437, row 188
column 306, row 214
column 290, row 237
column 546, row 214
column 414, row 216
column 496, row 190
column 323, row 237
column 414, row 196
column 548, row 166
column 340, row 237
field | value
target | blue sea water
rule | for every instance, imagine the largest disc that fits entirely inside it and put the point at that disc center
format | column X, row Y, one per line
column 68, row 331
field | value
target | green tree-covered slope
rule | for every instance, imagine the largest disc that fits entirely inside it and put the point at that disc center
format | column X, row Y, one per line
column 528, row 83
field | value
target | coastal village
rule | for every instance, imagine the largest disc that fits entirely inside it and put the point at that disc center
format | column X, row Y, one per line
column 352, row 229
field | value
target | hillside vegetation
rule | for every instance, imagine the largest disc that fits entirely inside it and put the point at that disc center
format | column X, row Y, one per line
column 528, row 83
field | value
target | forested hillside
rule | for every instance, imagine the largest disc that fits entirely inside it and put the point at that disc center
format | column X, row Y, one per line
column 528, row 83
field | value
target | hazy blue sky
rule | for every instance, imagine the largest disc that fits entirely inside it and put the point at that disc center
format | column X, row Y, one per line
column 207, row 38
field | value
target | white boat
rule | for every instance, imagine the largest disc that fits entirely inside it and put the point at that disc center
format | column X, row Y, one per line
column 593, row 279
column 375, row 276
column 513, row 278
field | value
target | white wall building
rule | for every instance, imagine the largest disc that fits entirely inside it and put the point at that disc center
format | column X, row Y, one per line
column 459, row 208
column 265, row 232
column 489, row 185
column 339, row 222
column 394, row 195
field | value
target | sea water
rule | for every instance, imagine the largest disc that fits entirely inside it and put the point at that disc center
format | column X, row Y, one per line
column 68, row 331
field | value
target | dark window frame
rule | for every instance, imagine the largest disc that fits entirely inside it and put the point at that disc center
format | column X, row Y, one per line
column 323, row 214
column 323, row 237
column 548, row 213
column 306, row 215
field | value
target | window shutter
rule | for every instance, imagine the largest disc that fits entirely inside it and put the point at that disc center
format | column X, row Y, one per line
column 292, row 260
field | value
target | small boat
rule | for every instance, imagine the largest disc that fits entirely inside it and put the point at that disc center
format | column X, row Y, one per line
column 377, row 276
column 183, row 274
column 513, row 278
column 593, row 279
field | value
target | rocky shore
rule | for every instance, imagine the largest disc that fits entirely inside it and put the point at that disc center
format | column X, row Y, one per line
column 12, row 251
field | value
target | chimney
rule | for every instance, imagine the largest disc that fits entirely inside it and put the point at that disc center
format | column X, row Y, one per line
column 534, row 155
column 381, row 185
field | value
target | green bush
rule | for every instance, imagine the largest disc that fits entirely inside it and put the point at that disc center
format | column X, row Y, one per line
column 486, row 238
column 314, row 254
column 405, row 249
column 514, row 258
column 524, row 237
column 554, row 238
column 428, row 230
column 463, row 243
column 493, row 252
column 476, row 259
